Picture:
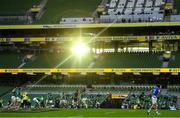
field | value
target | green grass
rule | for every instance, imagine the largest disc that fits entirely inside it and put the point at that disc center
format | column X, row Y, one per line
column 56, row 9
column 93, row 113
column 16, row 7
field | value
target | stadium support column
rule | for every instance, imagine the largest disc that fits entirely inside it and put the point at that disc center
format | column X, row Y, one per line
column 150, row 46
column 116, row 46
column 178, row 46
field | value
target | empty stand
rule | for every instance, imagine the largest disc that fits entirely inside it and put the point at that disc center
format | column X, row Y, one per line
column 175, row 63
column 10, row 60
column 106, row 60
column 56, row 89
column 120, row 88
column 140, row 60
column 5, row 89
column 134, row 11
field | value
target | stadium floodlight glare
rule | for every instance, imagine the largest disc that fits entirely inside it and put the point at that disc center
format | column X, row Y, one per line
column 80, row 49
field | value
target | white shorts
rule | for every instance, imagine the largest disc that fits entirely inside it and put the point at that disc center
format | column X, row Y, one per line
column 154, row 100
column 50, row 101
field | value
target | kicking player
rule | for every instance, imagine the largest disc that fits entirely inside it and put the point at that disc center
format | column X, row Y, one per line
column 155, row 93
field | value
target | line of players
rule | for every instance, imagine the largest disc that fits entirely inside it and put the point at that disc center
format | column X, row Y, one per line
column 24, row 101
column 39, row 102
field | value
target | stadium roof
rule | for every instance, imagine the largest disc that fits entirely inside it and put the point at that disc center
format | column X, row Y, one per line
column 103, row 25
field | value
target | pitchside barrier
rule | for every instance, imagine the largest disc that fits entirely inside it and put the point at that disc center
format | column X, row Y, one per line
column 107, row 38
column 100, row 25
column 119, row 71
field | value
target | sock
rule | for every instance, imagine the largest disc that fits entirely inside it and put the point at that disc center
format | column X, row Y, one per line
column 157, row 112
column 149, row 110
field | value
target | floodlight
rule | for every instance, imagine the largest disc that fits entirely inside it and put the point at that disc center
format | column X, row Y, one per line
column 80, row 49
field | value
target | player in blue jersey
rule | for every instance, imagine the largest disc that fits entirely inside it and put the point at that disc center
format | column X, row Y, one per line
column 154, row 95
